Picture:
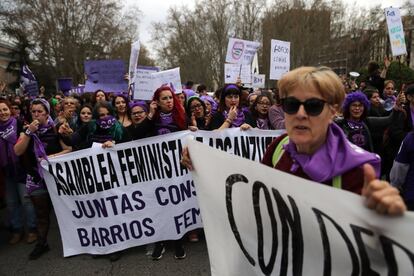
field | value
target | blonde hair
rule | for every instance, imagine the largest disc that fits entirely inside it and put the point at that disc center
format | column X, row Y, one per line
column 321, row 79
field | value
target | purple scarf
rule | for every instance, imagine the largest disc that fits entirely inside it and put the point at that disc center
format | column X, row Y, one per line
column 238, row 121
column 164, row 123
column 106, row 122
column 8, row 137
column 262, row 123
column 337, row 156
column 38, row 145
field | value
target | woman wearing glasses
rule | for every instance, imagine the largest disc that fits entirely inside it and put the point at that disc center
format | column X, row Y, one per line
column 310, row 97
column 260, row 111
column 197, row 114
column 141, row 126
column 230, row 113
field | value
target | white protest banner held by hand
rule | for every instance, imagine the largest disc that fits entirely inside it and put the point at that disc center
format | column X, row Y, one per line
column 133, row 59
column 143, row 82
column 261, row 221
column 395, row 31
column 233, row 71
column 169, row 77
column 279, row 59
column 241, row 51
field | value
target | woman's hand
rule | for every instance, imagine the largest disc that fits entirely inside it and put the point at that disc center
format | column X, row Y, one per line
column 186, row 160
column 152, row 109
column 193, row 120
column 232, row 113
column 34, row 126
column 193, row 128
column 380, row 195
column 108, row 144
column 245, row 126
column 65, row 129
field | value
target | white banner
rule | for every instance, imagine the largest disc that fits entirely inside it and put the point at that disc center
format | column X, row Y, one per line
column 143, row 84
column 234, row 71
column 241, row 51
column 136, row 193
column 279, row 59
column 258, row 80
column 261, row 221
column 395, row 31
column 169, row 77
column 133, row 59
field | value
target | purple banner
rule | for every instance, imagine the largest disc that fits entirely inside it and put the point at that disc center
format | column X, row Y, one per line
column 107, row 75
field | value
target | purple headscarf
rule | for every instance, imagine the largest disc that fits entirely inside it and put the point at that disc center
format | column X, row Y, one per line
column 337, row 155
column 141, row 104
column 214, row 105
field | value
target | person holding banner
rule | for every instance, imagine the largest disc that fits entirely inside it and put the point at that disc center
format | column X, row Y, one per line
column 230, row 113
column 168, row 116
column 123, row 113
column 15, row 178
column 104, row 129
column 310, row 98
column 39, row 141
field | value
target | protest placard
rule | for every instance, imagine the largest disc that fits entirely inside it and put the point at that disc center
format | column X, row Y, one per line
column 258, row 80
column 108, row 75
column 32, row 89
column 279, row 59
column 241, row 51
column 77, row 89
column 135, row 193
column 143, row 84
column 133, row 59
column 169, row 77
column 395, row 31
column 233, row 71
column 261, row 221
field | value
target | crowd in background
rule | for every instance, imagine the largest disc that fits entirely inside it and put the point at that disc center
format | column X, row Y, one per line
column 376, row 116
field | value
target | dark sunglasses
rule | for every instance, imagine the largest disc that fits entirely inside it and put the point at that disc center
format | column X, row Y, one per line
column 313, row 106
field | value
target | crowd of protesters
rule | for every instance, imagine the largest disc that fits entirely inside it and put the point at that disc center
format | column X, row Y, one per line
column 374, row 116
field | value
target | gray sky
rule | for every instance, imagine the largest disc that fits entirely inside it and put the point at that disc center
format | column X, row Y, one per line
column 156, row 11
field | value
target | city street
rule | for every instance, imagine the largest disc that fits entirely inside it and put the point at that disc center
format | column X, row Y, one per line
column 134, row 261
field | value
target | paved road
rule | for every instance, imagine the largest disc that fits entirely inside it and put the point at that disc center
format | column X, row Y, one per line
column 134, row 261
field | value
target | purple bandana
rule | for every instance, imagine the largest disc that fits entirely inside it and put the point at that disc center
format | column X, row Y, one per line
column 8, row 137
column 337, row 155
column 238, row 121
column 106, row 122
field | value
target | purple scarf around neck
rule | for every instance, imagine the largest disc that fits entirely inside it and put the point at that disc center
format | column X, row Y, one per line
column 337, row 155
column 165, row 123
column 38, row 146
column 239, row 120
column 262, row 123
column 8, row 137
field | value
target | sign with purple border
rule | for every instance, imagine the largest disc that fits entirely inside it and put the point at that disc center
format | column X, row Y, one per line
column 32, row 89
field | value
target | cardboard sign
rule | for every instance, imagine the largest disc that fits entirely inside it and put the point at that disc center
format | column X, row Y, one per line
column 169, row 77
column 233, row 71
column 143, row 84
column 279, row 59
column 395, row 32
column 258, row 80
column 241, row 51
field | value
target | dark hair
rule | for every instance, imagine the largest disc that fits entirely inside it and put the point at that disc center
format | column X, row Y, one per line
column 253, row 110
column 128, row 110
column 201, row 88
column 102, row 105
column 95, row 93
column 373, row 67
column 188, row 105
column 369, row 91
column 6, row 102
column 79, row 122
column 228, row 89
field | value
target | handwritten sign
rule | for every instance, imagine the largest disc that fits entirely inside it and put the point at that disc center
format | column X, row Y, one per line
column 241, row 51
column 279, row 59
column 234, row 71
column 395, row 31
column 258, row 80
column 143, row 84
column 107, row 75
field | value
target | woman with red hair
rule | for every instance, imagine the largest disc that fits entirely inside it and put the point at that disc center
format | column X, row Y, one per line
column 167, row 115
column 166, row 112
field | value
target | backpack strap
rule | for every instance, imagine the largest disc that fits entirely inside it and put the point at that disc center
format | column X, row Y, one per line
column 277, row 154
